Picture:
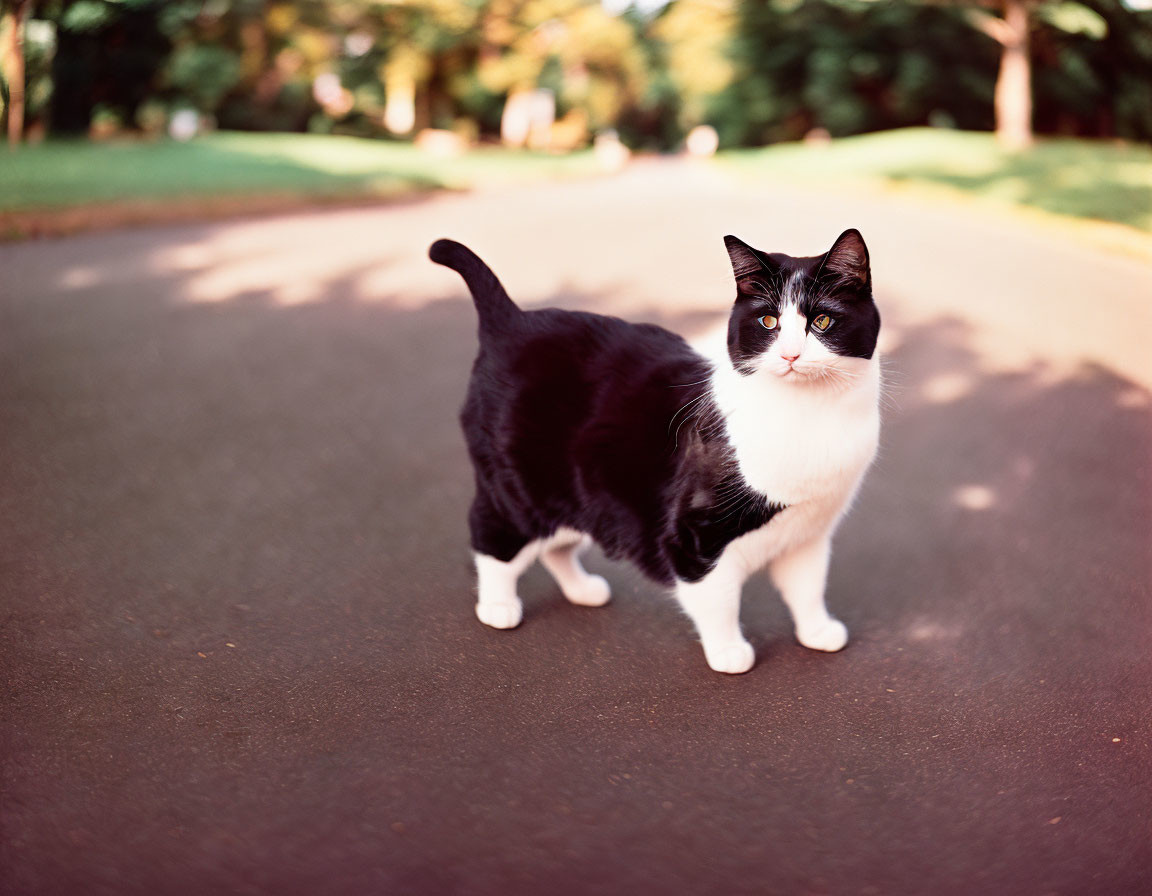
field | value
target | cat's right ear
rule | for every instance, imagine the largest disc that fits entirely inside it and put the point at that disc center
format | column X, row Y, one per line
column 745, row 260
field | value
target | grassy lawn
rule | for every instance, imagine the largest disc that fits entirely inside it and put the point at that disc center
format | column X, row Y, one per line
column 1078, row 178
column 229, row 171
column 62, row 174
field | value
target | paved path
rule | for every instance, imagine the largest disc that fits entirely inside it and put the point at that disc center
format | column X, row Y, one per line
column 238, row 649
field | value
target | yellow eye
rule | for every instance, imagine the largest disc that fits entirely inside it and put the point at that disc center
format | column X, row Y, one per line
column 822, row 322
column 768, row 322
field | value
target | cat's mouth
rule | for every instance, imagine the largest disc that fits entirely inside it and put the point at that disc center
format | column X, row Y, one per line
column 793, row 370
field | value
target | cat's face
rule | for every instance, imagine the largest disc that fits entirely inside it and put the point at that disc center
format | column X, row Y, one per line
column 807, row 320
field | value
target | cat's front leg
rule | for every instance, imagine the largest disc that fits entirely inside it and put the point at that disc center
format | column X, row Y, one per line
column 801, row 574
column 713, row 603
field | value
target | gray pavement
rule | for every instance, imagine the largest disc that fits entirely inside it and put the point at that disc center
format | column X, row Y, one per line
column 236, row 631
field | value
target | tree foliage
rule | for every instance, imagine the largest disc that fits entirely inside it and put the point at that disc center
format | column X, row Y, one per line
column 759, row 70
column 850, row 66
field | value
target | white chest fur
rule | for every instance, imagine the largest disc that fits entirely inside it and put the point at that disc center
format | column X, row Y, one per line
column 805, row 445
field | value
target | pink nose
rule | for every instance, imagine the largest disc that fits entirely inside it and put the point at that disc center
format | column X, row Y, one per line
column 789, row 358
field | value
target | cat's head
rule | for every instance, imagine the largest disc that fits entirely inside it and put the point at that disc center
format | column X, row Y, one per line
column 806, row 320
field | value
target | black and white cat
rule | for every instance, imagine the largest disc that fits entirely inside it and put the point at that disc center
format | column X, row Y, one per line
column 700, row 470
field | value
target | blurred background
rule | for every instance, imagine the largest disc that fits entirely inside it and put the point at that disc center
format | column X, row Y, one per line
column 415, row 86
column 759, row 72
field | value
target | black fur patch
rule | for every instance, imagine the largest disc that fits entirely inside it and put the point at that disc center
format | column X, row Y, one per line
column 607, row 427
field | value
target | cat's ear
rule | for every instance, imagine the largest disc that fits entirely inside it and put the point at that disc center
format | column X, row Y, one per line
column 848, row 258
column 745, row 260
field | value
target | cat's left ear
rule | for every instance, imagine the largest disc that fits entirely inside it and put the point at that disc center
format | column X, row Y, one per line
column 847, row 260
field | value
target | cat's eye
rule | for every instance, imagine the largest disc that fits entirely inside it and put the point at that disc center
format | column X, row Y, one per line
column 822, row 322
column 768, row 322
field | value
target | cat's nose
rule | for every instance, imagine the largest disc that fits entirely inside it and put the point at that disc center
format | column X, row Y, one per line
column 790, row 358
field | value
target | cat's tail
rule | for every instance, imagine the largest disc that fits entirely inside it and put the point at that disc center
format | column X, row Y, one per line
column 495, row 308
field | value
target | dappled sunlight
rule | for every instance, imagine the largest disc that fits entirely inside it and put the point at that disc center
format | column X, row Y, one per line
column 80, row 277
column 331, row 154
column 975, row 497
column 1001, row 494
column 1134, row 398
column 285, row 260
column 1016, row 328
column 375, row 258
column 890, row 336
column 288, row 265
column 933, row 630
column 946, row 387
column 624, row 246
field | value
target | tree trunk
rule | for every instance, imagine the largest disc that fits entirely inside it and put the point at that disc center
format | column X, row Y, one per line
column 1014, row 83
column 16, row 74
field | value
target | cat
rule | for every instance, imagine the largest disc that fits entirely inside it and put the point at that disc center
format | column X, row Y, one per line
column 583, row 427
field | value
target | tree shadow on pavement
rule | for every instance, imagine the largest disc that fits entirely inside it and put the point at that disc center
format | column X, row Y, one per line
column 242, row 652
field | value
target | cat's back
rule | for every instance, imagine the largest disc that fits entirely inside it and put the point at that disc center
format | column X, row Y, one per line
column 572, row 361
column 568, row 393
column 582, row 338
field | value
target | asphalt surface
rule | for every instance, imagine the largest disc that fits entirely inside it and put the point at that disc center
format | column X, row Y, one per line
column 238, row 647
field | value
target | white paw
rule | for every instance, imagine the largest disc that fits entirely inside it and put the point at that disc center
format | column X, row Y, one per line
column 733, row 658
column 593, row 591
column 829, row 636
column 505, row 614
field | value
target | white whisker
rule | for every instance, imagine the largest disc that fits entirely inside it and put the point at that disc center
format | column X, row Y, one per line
column 685, row 407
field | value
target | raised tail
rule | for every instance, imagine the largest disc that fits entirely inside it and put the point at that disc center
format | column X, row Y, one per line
column 496, row 310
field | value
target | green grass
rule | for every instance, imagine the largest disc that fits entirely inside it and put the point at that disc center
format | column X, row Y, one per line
column 1077, row 178
column 60, row 174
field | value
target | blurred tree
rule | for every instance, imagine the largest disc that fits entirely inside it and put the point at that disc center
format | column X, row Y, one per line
column 249, row 64
column 203, row 73
column 431, row 48
column 848, row 66
column 1048, row 41
column 15, row 11
column 109, row 57
column 1013, row 98
column 759, row 70
column 1093, row 69
column 656, row 119
column 593, row 61
column 698, row 35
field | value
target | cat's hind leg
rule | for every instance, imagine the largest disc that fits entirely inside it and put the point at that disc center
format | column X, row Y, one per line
column 498, row 604
column 800, row 575
column 502, row 555
column 561, row 557
column 713, row 603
